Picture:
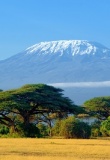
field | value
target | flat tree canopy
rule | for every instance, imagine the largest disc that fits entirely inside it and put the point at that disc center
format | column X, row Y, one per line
column 23, row 104
column 99, row 107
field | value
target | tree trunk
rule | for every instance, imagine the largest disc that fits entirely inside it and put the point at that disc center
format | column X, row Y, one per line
column 26, row 124
column 50, row 128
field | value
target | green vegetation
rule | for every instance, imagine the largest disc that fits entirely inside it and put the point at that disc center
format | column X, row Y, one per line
column 22, row 109
column 105, row 127
column 98, row 107
column 39, row 110
column 72, row 128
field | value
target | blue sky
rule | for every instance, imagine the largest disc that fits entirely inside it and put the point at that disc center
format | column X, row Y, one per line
column 27, row 22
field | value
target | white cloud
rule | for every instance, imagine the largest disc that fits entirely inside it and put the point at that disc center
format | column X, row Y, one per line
column 82, row 84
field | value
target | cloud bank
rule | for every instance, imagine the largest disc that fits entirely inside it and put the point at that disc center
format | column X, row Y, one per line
column 82, row 84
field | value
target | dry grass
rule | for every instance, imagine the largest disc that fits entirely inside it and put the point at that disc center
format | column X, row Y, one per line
column 54, row 149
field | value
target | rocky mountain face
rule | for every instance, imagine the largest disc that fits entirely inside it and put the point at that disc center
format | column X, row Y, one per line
column 63, row 61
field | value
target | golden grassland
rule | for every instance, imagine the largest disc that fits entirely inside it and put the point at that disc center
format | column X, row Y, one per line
column 54, row 149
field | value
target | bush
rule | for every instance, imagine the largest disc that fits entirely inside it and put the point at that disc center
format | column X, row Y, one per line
column 95, row 129
column 43, row 129
column 30, row 131
column 57, row 128
column 4, row 129
column 105, row 127
column 95, row 132
column 73, row 128
column 82, row 130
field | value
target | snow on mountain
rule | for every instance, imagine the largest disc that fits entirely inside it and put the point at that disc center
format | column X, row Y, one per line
column 72, row 47
column 64, row 61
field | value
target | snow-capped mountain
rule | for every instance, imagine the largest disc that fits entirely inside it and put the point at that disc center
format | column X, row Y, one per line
column 68, row 48
column 61, row 61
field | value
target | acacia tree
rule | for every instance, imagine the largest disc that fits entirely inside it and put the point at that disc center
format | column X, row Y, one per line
column 30, row 100
column 98, row 107
column 5, row 109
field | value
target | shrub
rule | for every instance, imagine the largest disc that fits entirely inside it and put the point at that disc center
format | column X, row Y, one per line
column 4, row 129
column 105, row 127
column 57, row 128
column 43, row 129
column 95, row 129
column 73, row 128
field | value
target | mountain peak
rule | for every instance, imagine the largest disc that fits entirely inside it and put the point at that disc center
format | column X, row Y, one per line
column 72, row 47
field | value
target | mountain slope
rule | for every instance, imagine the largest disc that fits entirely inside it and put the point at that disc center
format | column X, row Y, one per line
column 56, row 62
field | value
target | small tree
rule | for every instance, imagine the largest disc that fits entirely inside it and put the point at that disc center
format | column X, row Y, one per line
column 105, row 127
column 73, row 128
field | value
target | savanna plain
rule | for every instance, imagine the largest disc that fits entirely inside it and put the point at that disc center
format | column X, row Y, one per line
column 54, row 149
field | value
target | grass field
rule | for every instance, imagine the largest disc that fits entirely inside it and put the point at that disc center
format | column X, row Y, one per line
column 54, row 149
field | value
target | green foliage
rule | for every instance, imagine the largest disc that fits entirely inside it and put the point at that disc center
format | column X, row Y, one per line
column 43, row 129
column 30, row 131
column 72, row 128
column 82, row 130
column 95, row 129
column 23, row 105
column 67, row 127
column 57, row 128
column 39, row 110
column 105, row 127
column 98, row 107
column 4, row 129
